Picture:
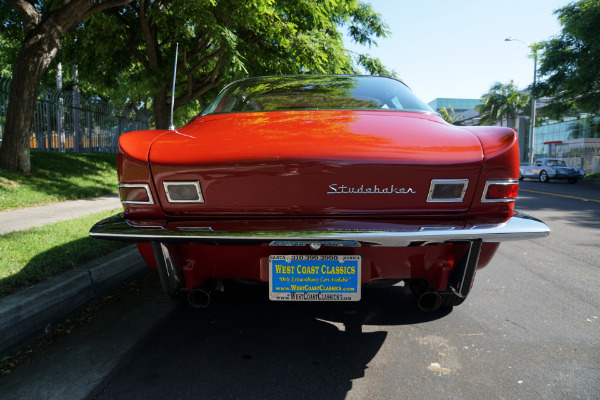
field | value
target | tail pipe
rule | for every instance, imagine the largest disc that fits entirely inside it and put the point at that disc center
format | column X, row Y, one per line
column 430, row 301
column 199, row 298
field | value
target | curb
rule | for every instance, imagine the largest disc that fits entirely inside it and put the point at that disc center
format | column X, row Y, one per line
column 25, row 314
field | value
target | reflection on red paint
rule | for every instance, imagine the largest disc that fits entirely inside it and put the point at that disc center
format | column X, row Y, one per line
column 352, row 135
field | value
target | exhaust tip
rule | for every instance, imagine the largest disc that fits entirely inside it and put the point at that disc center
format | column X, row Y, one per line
column 430, row 301
column 198, row 298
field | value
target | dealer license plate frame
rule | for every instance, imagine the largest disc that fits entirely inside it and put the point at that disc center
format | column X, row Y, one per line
column 317, row 277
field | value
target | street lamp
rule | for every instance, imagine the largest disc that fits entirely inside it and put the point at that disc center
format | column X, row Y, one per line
column 531, row 130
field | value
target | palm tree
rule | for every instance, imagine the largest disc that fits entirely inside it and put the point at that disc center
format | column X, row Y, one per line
column 502, row 101
column 449, row 116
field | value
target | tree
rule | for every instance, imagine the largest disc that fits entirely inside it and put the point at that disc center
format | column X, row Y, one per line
column 219, row 41
column 570, row 62
column 11, row 36
column 44, row 25
column 502, row 101
column 449, row 116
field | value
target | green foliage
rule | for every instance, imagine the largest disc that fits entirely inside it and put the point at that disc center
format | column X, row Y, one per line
column 502, row 101
column 57, row 177
column 374, row 66
column 34, row 255
column 570, row 62
column 11, row 36
column 592, row 177
column 327, row 92
column 585, row 128
column 449, row 116
column 125, row 54
column 128, row 52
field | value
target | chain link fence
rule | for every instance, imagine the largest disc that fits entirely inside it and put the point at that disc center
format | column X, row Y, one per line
column 67, row 122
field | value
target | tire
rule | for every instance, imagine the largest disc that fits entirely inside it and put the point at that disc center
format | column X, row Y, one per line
column 572, row 180
column 544, row 176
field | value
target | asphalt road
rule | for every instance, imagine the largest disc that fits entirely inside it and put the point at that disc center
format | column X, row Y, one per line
column 529, row 330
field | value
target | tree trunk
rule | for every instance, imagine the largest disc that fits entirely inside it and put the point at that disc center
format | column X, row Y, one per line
column 32, row 61
column 43, row 34
column 161, row 109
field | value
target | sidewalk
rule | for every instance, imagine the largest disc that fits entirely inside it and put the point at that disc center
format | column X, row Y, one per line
column 82, row 362
column 24, row 218
column 25, row 314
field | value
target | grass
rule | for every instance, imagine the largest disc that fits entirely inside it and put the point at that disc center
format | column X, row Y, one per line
column 34, row 255
column 57, row 177
column 593, row 177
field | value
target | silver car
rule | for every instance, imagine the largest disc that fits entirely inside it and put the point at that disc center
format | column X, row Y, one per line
column 545, row 169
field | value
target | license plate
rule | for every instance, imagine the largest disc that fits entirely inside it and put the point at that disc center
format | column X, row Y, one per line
column 314, row 278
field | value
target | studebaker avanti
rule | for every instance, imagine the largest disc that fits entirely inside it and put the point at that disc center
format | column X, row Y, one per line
column 318, row 186
column 545, row 169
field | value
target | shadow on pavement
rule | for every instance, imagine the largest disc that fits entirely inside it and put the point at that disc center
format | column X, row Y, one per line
column 245, row 346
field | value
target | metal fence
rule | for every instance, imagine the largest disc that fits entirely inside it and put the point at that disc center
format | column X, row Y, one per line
column 67, row 122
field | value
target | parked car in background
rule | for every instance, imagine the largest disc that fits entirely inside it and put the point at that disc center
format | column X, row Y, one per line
column 318, row 185
column 545, row 169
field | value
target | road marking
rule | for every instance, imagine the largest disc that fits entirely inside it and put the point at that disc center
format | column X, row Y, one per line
column 559, row 195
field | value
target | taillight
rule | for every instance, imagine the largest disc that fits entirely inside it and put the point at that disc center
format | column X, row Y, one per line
column 135, row 193
column 447, row 190
column 183, row 192
column 500, row 191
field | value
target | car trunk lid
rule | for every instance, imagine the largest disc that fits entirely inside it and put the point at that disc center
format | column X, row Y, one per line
column 316, row 162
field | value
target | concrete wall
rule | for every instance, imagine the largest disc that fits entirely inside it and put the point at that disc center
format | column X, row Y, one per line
column 589, row 162
column 595, row 164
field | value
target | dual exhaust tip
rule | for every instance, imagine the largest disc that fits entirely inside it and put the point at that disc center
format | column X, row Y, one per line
column 198, row 298
column 428, row 301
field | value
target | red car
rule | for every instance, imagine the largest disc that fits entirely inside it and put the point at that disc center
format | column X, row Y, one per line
column 319, row 185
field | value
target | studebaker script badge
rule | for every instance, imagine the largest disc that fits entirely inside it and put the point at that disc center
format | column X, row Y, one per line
column 335, row 188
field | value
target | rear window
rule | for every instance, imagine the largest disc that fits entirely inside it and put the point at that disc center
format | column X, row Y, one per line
column 316, row 92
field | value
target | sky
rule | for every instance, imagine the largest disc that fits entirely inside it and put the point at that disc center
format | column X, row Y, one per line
column 456, row 48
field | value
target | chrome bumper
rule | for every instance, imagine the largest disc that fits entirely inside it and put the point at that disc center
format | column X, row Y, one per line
column 519, row 227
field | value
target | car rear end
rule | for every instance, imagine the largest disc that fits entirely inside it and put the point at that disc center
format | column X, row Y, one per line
column 318, row 203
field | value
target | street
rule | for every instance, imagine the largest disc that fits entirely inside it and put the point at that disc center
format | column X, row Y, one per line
column 529, row 330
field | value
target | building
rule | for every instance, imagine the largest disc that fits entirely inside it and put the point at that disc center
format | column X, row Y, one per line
column 460, row 106
column 463, row 108
column 575, row 138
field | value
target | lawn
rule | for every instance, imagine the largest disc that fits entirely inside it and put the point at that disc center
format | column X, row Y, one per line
column 57, row 177
column 34, row 255
column 593, row 177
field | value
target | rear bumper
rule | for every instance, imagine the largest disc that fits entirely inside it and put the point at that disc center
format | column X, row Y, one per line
column 566, row 176
column 344, row 233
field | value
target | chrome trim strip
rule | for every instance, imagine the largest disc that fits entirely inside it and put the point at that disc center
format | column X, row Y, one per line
column 170, row 275
column 302, row 243
column 434, row 182
column 497, row 182
column 436, row 228
column 138, row 185
column 519, row 227
column 463, row 275
column 181, row 183
column 195, row 229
